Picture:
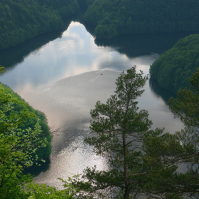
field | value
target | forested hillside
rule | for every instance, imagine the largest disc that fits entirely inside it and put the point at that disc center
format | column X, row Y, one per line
column 113, row 17
column 173, row 68
column 17, row 108
column 21, row 20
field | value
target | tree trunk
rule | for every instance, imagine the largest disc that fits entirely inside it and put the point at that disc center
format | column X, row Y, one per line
column 126, row 192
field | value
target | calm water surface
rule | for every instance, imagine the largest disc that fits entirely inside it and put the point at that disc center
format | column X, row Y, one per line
column 64, row 78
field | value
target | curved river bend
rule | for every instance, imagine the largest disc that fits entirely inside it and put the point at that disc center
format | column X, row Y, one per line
column 64, row 78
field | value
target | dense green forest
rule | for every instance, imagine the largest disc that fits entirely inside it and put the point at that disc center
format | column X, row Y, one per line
column 21, row 20
column 113, row 17
column 29, row 122
column 173, row 68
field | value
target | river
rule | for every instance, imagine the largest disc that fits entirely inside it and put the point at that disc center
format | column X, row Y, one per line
column 64, row 74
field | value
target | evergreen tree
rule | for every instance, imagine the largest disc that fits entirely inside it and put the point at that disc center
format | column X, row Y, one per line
column 173, row 69
column 186, row 107
column 141, row 160
column 117, row 131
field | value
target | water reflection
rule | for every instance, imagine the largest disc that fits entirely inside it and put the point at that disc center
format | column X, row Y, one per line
column 72, row 54
column 55, row 56
column 143, row 44
column 9, row 58
column 35, row 170
column 159, row 91
column 64, row 78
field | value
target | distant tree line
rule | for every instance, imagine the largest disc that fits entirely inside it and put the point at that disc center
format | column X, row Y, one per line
column 21, row 20
column 173, row 68
column 114, row 17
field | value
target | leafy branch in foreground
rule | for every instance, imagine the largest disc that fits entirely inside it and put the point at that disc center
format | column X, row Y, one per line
column 24, row 138
column 186, row 105
column 17, row 146
column 2, row 69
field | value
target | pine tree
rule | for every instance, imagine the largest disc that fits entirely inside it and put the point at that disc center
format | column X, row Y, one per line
column 117, row 131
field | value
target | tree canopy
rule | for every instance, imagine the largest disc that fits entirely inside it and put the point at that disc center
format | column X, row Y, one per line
column 21, row 20
column 30, row 121
column 186, row 107
column 19, row 143
column 113, row 17
column 174, row 67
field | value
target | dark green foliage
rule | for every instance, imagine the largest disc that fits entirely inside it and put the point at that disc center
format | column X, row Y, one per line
column 85, row 3
column 43, row 191
column 17, row 146
column 30, row 122
column 186, row 105
column 2, row 69
column 173, row 68
column 135, row 16
column 21, row 20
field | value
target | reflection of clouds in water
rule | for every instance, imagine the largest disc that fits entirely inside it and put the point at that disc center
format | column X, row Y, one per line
column 70, row 46
column 73, row 54
column 25, row 89
column 80, row 61
column 74, row 28
column 146, row 60
column 120, row 62
column 143, row 68
column 78, row 71
column 78, row 34
column 115, row 61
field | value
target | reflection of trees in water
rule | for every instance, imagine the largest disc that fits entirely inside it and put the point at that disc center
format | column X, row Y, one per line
column 159, row 91
column 142, row 44
column 131, row 45
column 36, row 170
column 15, row 55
